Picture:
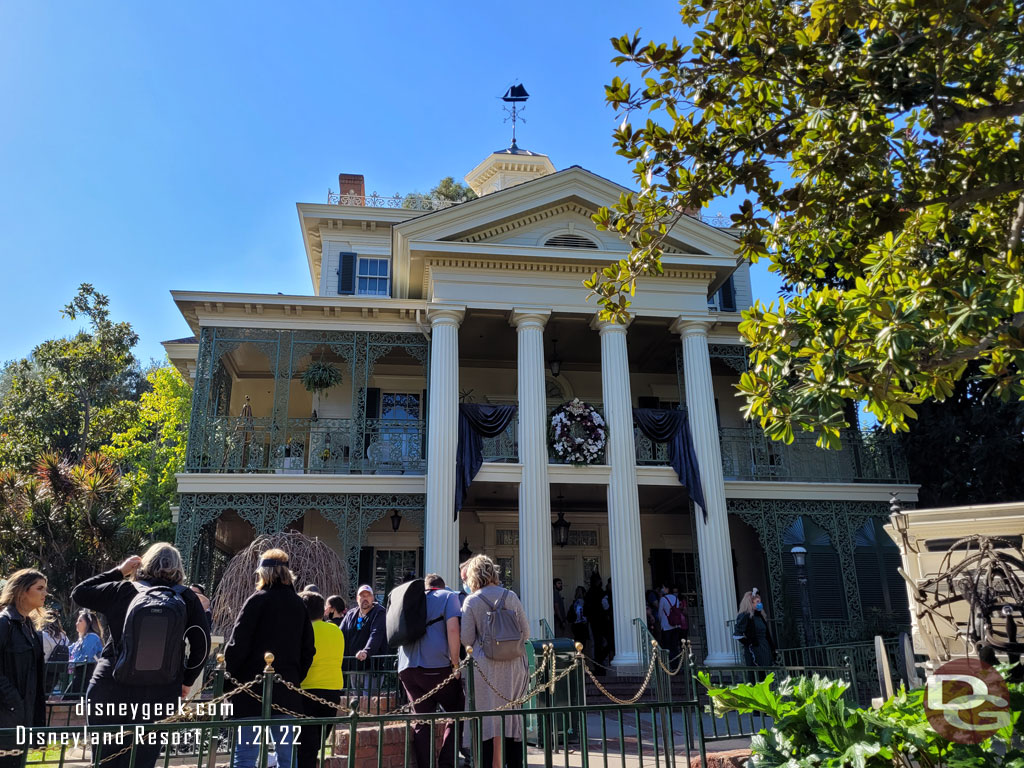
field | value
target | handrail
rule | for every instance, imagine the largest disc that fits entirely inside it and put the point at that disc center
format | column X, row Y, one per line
column 545, row 629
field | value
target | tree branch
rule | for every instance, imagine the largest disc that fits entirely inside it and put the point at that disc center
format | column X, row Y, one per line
column 1016, row 226
column 969, row 353
column 958, row 202
column 964, row 117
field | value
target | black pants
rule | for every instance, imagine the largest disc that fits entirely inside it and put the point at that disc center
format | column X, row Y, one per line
column 417, row 682
column 107, row 691
column 311, row 738
column 513, row 753
column 671, row 641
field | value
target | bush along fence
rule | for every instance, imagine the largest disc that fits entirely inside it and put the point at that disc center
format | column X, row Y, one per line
column 629, row 729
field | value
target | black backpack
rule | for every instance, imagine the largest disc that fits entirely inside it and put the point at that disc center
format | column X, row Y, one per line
column 152, row 644
column 406, row 620
column 59, row 655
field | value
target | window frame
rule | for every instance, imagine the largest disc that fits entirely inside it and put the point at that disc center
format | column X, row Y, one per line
column 360, row 275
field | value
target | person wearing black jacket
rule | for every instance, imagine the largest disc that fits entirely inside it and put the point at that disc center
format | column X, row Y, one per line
column 109, row 701
column 272, row 619
column 22, row 669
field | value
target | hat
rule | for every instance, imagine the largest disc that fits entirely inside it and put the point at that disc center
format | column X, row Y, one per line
column 364, row 588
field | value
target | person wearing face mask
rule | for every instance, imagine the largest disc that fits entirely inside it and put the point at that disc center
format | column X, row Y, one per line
column 753, row 632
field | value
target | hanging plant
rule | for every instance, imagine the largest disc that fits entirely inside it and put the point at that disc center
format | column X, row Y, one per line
column 321, row 376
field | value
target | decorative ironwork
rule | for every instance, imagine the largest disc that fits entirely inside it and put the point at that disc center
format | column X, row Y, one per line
column 649, row 452
column 411, row 201
column 747, row 454
column 770, row 518
column 503, row 447
column 733, row 355
column 352, row 514
column 274, row 442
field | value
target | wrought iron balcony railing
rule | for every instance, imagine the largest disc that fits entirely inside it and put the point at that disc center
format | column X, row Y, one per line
column 503, row 448
column 321, row 446
column 412, row 202
column 748, row 455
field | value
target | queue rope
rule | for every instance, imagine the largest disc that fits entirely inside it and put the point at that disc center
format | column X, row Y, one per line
column 510, row 703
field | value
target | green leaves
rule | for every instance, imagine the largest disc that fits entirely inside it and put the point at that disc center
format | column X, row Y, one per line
column 880, row 147
column 814, row 726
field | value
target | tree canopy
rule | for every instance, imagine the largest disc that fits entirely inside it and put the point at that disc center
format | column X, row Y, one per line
column 447, row 190
column 879, row 145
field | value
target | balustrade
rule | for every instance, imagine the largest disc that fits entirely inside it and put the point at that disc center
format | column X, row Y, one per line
column 748, row 455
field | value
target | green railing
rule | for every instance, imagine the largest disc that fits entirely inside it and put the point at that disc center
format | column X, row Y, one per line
column 652, row 733
column 865, row 458
column 320, row 446
column 503, row 447
column 748, row 455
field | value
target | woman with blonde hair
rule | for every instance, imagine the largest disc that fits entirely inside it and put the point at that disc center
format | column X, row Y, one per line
column 273, row 619
column 753, row 632
column 506, row 670
column 120, row 595
column 22, row 670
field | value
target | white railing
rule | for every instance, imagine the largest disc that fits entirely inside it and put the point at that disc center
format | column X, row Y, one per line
column 412, row 202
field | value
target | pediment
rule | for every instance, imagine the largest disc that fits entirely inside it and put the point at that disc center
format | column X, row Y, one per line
column 529, row 214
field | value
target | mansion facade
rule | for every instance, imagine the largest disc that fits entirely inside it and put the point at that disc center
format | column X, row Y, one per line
column 422, row 307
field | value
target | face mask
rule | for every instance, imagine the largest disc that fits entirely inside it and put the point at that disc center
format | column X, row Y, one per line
column 759, row 607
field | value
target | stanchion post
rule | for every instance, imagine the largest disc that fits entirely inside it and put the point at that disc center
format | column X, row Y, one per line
column 476, row 735
column 581, row 688
column 268, row 703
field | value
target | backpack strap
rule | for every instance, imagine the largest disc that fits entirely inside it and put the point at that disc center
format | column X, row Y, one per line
column 501, row 600
column 488, row 602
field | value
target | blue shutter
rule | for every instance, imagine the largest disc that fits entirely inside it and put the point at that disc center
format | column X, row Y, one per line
column 346, row 273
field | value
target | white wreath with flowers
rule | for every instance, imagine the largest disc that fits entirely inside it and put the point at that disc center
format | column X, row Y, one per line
column 578, row 433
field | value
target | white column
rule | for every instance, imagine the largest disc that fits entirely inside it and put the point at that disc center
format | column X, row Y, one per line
column 626, row 546
column 441, row 532
column 535, row 574
column 714, row 547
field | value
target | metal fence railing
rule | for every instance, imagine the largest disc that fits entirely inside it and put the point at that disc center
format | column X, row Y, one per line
column 632, row 730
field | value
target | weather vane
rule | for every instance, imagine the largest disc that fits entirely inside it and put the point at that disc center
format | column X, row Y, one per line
column 516, row 95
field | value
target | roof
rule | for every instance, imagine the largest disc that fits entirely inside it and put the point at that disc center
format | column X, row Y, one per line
column 184, row 340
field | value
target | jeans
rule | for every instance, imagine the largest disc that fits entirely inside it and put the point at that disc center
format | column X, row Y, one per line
column 250, row 739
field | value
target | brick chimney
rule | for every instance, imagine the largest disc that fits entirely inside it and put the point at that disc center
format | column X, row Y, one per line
column 352, row 184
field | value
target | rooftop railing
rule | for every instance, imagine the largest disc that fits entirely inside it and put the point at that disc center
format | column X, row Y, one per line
column 412, row 202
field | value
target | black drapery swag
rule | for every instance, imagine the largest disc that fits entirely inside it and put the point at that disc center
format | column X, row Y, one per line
column 673, row 427
column 475, row 423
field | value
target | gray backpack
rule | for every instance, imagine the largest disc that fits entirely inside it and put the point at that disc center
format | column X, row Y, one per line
column 502, row 639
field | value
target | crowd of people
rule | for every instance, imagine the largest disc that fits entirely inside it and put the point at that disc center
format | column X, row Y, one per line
column 143, row 636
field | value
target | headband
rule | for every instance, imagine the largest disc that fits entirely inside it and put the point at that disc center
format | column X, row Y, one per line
column 754, row 592
column 270, row 562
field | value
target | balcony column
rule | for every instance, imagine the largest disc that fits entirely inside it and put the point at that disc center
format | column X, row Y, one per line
column 626, row 546
column 535, row 572
column 440, row 531
column 714, row 547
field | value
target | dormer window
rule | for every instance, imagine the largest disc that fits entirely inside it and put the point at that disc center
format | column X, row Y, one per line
column 363, row 275
column 570, row 241
column 372, row 277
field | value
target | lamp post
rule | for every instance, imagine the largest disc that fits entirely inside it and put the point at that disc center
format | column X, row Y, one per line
column 800, row 561
column 396, row 520
column 561, row 525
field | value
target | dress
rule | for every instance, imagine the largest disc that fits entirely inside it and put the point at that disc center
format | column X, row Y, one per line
column 509, row 677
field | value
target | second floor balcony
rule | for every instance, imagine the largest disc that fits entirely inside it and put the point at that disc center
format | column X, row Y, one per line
column 748, row 455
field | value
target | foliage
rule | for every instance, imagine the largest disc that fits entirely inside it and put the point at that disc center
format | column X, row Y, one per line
column 69, row 395
column 151, row 450
column 813, row 725
column 881, row 145
column 320, row 376
column 958, row 450
column 68, row 519
column 447, row 190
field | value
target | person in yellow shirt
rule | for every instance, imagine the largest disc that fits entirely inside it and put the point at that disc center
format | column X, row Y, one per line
column 324, row 679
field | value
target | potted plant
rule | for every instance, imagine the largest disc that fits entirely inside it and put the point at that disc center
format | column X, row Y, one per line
column 320, row 376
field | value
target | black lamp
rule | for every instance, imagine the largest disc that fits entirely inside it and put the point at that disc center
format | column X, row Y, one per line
column 561, row 526
column 465, row 553
column 555, row 364
column 799, row 556
column 396, row 520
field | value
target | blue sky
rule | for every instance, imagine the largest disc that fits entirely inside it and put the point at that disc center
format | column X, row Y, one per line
column 147, row 147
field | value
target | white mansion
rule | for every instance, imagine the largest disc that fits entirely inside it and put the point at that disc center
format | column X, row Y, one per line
column 421, row 311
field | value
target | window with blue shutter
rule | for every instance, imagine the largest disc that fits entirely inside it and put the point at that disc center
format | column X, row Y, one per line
column 346, row 273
